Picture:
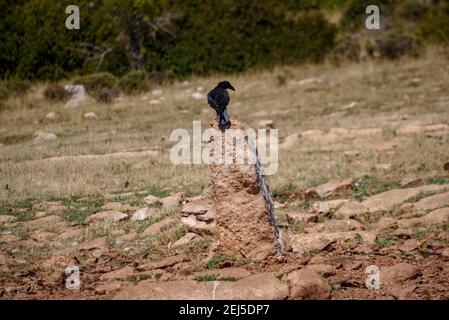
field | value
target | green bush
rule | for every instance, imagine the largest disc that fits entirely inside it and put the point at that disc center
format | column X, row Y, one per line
column 134, row 81
column 413, row 10
column 394, row 45
column 435, row 25
column 96, row 82
column 347, row 49
column 55, row 92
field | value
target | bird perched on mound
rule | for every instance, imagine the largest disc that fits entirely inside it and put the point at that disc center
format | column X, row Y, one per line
column 218, row 99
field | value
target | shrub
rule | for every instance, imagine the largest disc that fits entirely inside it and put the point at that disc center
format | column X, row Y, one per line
column 55, row 92
column 413, row 10
column 347, row 49
column 435, row 25
column 13, row 87
column 135, row 81
column 96, row 82
column 394, row 45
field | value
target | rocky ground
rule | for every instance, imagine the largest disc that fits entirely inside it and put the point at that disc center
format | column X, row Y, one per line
column 363, row 181
column 164, row 249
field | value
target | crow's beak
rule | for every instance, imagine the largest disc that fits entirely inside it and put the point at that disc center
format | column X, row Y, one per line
column 232, row 88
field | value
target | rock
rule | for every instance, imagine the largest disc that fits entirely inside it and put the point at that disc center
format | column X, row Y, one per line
column 186, row 239
column 152, row 200
column 387, row 146
column 49, row 221
column 77, row 95
column 120, row 274
column 90, row 116
column 319, row 241
column 325, row 207
column 108, row 287
column 351, row 153
column 166, row 262
column 437, row 216
column 409, row 245
column 299, row 217
column 142, row 214
column 388, row 200
column 307, row 285
column 262, row 286
column 264, row 124
column 179, row 289
column 432, row 202
column 172, row 201
column 349, row 106
column 334, row 187
column 99, row 243
column 410, row 181
column 111, row 216
column 289, row 141
column 51, row 115
column 241, row 199
column 197, row 207
column 233, row 273
column 338, row 226
column 199, row 227
column 44, row 136
column 404, row 293
column 398, row 273
column 434, row 217
column 351, row 210
column 71, row 234
column 386, row 223
column 42, row 236
column 419, row 129
column 157, row 227
column 323, row 270
column 7, row 219
column 3, row 260
column 402, row 233
column 198, row 96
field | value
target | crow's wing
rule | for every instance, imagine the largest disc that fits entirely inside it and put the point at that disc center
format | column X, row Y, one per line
column 222, row 100
column 211, row 100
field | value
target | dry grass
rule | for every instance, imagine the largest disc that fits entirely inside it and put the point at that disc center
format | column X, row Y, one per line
column 387, row 97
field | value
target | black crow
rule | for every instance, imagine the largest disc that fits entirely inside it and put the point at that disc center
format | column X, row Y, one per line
column 218, row 99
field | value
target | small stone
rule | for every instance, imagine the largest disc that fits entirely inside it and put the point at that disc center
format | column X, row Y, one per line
column 334, row 187
column 112, row 216
column 45, row 136
column 198, row 96
column 152, row 200
column 324, row 270
column 157, row 227
column 172, row 201
column 90, row 116
column 51, row 115
column 307, row 285
column 166, row 262
column 398, row 273
column 186, row 239
column 142, row 214
column 122, row 274
column 108, row 287
column 409, row 245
